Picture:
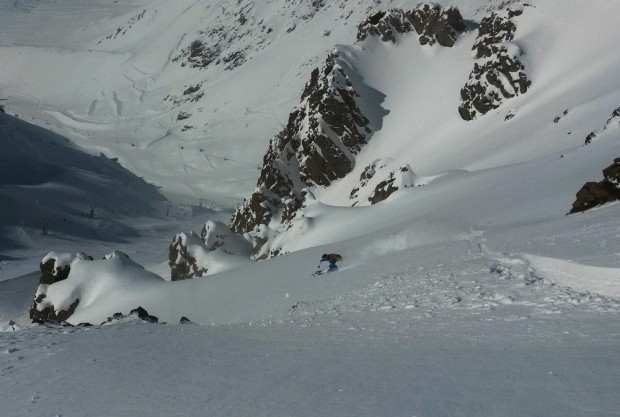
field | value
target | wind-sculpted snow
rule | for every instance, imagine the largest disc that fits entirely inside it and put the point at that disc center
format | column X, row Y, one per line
column 498, row 73
column 71, row 282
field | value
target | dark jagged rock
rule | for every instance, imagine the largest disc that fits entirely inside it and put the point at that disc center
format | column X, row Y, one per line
column 384, row 24
column 317, row 146
column 185, row 320
column 433, row 23
column 594, row 194
column 498, row 73
column 138, row 312
column 143, row 315
column 430, row 21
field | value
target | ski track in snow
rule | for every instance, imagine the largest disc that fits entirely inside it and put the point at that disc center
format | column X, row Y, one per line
column 461, row 286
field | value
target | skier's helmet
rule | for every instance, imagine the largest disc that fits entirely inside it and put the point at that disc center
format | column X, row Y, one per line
column 325, row 257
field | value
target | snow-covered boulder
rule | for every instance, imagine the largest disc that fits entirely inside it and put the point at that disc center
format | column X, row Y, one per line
column 216, row 235
column 594, row 194
column 498, row 73
column 71, row 282
column 217, row 249
column 379, row 180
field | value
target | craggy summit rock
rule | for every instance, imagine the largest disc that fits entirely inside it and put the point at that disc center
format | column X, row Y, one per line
column 430, row 21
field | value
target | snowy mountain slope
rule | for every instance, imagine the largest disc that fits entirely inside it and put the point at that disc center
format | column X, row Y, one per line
column 46, row 184
column 117, row 80
column 469, row 293
column 456, row 162
column 420, row 132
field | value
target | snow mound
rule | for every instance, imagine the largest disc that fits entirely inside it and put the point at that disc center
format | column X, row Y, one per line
column 70, row 283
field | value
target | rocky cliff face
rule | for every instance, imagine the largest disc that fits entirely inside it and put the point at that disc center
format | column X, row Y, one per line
column 327, row 130
column 317, row 146
column 498, row 73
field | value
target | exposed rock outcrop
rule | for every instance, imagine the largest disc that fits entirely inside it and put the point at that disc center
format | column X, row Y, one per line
column 613, row 121
column 378, row 181
column 139, row 312
column 594, row 194
column 190, row 256
column 430, row 21
column 498, row 73
column 317, row 146
column 67, row 280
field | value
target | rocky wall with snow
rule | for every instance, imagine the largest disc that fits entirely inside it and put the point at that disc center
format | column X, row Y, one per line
column 430, row 21
column 192, row 256
column 498, row 73
column 317, row 146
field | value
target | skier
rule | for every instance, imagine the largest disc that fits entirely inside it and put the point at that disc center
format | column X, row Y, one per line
column 332, row 258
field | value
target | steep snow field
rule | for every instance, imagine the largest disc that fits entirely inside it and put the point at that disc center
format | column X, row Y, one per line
column 471, row 295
